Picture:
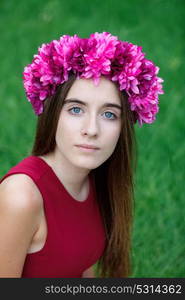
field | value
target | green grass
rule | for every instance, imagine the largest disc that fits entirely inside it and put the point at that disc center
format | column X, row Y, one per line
column 157, row 25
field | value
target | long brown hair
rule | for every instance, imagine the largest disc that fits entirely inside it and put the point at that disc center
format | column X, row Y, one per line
column 113, row 181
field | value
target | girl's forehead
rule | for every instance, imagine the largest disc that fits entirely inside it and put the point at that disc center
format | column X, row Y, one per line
column 86, row 90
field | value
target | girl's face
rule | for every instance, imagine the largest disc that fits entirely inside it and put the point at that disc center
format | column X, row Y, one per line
column 89, row 124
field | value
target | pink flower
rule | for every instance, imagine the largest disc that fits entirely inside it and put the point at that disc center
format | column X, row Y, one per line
column 100, row 54
column 100, row 50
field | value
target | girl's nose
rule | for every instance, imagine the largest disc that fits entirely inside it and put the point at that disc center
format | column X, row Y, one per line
column 90, row 126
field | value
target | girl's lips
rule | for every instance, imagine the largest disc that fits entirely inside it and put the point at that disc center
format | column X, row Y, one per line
column 87, row 148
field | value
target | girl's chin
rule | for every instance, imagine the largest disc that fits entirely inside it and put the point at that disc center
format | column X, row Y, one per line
column 87, row 166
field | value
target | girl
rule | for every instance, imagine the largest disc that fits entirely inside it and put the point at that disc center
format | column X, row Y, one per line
column 68, row 205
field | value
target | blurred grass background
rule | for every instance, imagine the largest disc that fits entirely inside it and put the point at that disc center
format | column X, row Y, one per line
column 159, row 27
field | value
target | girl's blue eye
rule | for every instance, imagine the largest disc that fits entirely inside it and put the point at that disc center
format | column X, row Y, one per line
column 75, row 110
column 109, row 115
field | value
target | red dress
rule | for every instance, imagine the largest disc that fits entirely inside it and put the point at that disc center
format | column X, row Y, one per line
column 75, row 232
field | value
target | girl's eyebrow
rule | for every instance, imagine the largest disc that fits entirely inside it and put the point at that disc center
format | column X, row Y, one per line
column 107, row 104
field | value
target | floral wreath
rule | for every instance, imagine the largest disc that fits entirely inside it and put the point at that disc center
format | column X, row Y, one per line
column 100, row 54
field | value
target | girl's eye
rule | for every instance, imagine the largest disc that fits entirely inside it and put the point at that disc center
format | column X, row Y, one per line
column 78, row 111
column 75, row 110
column 109, row 115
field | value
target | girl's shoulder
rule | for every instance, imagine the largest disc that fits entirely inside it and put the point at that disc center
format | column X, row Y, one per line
column 19, row 192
